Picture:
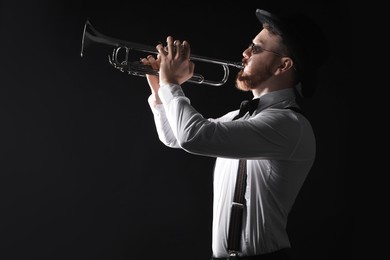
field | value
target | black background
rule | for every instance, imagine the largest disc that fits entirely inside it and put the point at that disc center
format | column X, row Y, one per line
column 83, row 175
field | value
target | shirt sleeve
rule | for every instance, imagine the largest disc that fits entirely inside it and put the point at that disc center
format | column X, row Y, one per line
column 268, row 135
column 163, row 128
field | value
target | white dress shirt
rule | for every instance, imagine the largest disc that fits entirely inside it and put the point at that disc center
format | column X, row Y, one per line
column 279, row 145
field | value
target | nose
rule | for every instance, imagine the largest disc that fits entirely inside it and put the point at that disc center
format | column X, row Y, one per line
column 246, row 53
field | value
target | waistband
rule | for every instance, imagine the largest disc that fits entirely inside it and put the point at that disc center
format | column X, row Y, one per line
column 282, row 254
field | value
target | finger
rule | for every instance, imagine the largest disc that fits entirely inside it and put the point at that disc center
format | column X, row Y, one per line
column 170, row 46
column 150, row 58
column 144, row 61
column 186, row 50
column 160, row 49
column 153, row 62
column 178, row 48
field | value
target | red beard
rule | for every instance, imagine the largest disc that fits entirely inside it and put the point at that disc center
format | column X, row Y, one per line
column 247, row 82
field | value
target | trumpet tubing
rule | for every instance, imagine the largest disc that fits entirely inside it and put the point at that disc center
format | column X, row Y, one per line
column 137, row 68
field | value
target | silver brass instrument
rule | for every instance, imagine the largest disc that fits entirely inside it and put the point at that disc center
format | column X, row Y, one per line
column 137, row 68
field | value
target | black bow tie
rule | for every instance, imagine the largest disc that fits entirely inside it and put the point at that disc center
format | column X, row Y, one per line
column 247, row 106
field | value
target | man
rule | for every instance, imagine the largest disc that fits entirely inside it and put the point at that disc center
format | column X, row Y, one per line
column 275, row 142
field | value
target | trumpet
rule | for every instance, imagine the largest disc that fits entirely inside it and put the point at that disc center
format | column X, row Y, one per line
column 137, row 68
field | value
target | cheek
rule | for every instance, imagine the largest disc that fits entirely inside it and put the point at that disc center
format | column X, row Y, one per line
column 246, row 70
column 252, row 67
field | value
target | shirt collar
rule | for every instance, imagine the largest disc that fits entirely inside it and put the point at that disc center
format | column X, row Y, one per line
column 275, row 97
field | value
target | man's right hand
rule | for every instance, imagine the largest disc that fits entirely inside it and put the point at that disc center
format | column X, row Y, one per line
column 153, row 80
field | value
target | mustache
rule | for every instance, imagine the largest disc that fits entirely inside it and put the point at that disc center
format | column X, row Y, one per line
column 244, row 61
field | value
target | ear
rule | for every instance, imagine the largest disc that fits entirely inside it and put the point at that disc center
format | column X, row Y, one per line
column 286, row 63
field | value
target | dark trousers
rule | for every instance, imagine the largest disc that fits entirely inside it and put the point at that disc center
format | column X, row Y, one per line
column 282, row 254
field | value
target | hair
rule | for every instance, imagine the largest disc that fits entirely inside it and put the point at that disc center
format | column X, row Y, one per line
column 284, row 48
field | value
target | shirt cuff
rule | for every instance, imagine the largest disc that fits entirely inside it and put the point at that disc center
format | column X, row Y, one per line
column 152, row 102
column 167, row 92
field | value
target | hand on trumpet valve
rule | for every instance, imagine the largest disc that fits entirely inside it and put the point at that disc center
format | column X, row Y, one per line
column 175, row 64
